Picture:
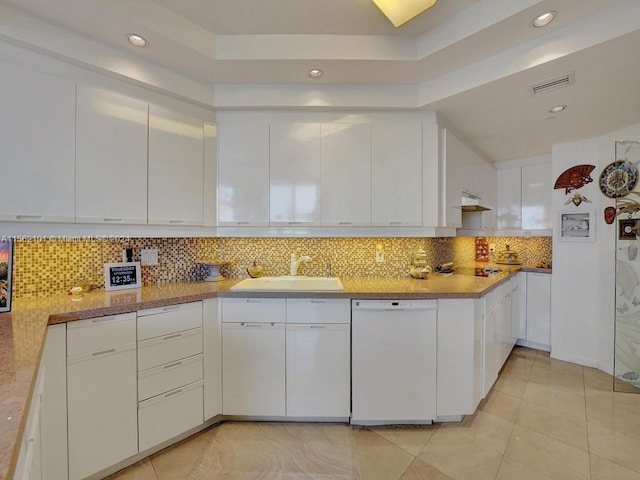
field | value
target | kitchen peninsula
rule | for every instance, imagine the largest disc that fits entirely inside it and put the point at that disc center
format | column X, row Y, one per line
column 23, row 332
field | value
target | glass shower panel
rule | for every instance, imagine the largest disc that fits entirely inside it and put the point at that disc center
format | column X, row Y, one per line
column 623, row 176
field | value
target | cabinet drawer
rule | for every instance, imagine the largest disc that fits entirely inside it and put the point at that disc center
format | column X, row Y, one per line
column 168, row 415
column 156, row 322
column 320, row 310
column 95, row 334
column 253, row 310
column 166, row 377
column 168, row 348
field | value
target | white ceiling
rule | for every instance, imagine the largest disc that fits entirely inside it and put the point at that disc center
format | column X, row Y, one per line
column 469, row 60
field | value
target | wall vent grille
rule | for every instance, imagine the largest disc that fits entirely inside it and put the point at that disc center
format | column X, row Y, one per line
column 557, row 82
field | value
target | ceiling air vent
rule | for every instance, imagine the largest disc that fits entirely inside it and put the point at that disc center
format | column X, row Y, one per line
column 557, row 82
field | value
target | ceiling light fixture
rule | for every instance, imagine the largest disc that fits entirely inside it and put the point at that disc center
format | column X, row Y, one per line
column 315, row 73
column 557, row 109
column 401, row 11
column 137, row 40
column 544, row 19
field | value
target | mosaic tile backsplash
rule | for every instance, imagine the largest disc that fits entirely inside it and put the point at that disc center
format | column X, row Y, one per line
column 53, row 266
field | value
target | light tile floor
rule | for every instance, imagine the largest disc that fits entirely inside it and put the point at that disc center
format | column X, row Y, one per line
column 544, row 419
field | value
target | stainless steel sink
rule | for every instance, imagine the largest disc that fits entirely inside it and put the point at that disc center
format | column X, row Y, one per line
column 290, row 283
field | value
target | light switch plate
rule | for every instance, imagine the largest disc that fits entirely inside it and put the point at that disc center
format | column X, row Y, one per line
column 149, row 256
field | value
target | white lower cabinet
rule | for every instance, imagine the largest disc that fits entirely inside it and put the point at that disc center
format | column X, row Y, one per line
column 253, row 360
column 286, row 357
column 498, row 332
column 170, row 372
column 538, row 310
column 212, row 345
column 164, row 416
column 31, row 461
column 460, row 357
column 102, row 393
column 318, row 358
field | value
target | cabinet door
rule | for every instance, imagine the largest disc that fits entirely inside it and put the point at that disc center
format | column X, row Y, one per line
column 518, row 306
column 37, row 144
column 243, row 174
column 294, row 176
column 31, row 460
column 509, row 208
column 212, row 358
column 396, row 174
column 253, row 363
column 491, row 349
column 102, row 409
column 111, row 157
column 537, row 187
column 318, row 370
column 345, row 174
column 538, row 308
column 176, row 168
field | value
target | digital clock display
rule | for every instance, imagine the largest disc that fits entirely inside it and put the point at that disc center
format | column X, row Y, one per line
column 122, row 275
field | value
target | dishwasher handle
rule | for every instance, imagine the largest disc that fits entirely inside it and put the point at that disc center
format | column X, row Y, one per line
column 394, row 305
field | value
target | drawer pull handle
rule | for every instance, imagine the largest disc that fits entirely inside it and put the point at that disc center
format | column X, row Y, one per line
column 251, row 325
column 101, row 319
column 171, row 365
column 317, row 301
column 345, row 223
column 103, row 352
column 396, row 223
column 170, row 307
column 175, row 392
column 29, row 217
column 170, row 337
column 177, row 222
column 317, row 326
column 112, row 220
column 252, row 300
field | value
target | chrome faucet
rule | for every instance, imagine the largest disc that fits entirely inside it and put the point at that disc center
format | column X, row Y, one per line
column 295, row 263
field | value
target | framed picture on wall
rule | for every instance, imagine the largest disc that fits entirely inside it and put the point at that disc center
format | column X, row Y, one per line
column 577, row 227
column 6, row 258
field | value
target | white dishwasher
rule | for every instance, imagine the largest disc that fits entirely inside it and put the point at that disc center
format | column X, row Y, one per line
column 393, row 377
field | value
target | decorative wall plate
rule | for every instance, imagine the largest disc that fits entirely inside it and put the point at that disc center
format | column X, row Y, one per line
column 618, row 179
column 574, row 178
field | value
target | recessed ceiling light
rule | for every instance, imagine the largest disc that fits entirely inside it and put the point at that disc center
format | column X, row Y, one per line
column 315, row 73
column 137, row 40
column 544, row 19
column 557, row 108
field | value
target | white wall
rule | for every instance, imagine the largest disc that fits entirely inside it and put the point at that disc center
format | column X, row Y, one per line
column 583, row 282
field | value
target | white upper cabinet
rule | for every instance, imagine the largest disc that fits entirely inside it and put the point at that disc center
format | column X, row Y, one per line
column 111, row 157
column 467, row 173
column 176, row 167
column 396, row 174
column 537, row 186
column 524, row 197
column 243, row 173
column 210, row 174
column 453, row 159
column 37, row 145
column 294, row 182
column 345, row 174
column 509, row 207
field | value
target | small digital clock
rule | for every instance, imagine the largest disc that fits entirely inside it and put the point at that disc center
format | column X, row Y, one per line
column 122, row 275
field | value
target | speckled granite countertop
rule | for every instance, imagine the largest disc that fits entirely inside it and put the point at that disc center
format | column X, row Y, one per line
column 22, row 331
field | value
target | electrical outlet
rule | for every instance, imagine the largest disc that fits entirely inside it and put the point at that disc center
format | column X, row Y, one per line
column 379, row 253
column 492, row 248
